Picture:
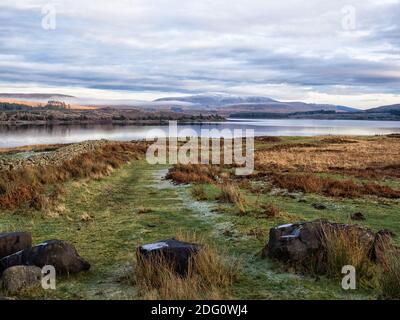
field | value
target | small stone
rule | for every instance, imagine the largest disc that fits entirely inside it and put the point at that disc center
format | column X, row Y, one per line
column 86, row 217
column 319, row 206
column 21, row 278
column 358, row 216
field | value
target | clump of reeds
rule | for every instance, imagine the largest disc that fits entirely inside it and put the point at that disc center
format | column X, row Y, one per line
column 231, row 193
column 268, row 210
column 199, row 192
column 389, row 277
column 345, row 247
column 210, row 276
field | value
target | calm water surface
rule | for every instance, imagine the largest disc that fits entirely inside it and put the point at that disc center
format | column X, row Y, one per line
column 12, row 136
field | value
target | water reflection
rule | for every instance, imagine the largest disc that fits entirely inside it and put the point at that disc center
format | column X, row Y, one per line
column 12, row 136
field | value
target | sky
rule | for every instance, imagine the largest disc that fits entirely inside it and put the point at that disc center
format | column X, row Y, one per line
column 321, row 51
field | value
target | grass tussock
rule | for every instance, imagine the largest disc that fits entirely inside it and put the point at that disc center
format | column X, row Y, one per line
column 193, row 173
column 39, row 187
column 232, row 194
column 199, row 193
column 309, row 183
column 268, row 210
column 210, row 276
column 367, row 156
column 346, row 247
column 389, row 278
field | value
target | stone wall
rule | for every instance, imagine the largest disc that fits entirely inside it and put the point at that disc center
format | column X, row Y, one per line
column 49, row 158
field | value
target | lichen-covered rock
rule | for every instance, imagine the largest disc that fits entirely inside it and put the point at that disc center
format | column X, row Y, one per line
column 57, row 253
column 13, row 242
column 299, row 242
column 21, row 278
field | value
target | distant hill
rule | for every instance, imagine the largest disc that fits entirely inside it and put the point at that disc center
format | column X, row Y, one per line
column 228, row 104
column 390, row 108
column 223, row 104
column 33, row 96
column 216, row 100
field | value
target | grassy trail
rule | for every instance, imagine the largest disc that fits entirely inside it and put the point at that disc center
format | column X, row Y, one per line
column 107, row 218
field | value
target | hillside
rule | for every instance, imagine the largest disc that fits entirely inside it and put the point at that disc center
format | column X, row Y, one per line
column 40, row 96
column 389, row 108
column 228, row 103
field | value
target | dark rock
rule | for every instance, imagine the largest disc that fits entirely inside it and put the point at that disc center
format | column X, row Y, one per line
column 386, row 232
column 20, row 278
column 382, row 242
column 13, row 242
column 319, row 206
column 57, row 253
column 299, row 242
column 293, row 242
column 358, row 216
column 176, row 253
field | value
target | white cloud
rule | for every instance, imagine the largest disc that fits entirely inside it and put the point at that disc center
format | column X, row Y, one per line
column 289, row 49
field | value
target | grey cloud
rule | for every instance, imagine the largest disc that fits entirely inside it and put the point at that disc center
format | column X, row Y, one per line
column 171, row 46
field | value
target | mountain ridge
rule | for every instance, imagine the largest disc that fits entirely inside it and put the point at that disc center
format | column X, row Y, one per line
column 250, row 103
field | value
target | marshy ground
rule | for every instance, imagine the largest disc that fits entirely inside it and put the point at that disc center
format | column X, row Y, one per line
column 106, row 218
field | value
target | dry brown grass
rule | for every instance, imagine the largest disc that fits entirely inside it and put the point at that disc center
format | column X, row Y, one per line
column 199, row 193
column 193, row 173
column 333, row 155
column 309, row 183
column 389, row 278
column 389, row 262
column 231, row 193
column 38, row 187
column 39, row 104
column 268, row 210
column 209, row 277
column 346, row 247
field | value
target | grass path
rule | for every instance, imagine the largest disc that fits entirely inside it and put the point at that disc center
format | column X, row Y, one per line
column 107, row 218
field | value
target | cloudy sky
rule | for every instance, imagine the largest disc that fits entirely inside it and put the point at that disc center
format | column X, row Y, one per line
column 341, row 52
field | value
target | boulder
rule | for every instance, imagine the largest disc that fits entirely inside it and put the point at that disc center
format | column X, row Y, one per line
column 302, row 241
column 13, row 242
column 21, row 278
column 358, row 216
column 176, row 253
column 57, row 253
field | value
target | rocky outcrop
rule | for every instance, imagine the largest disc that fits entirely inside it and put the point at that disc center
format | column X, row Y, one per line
column 21, row 278
column 57, row 253
column 13, row 242
column 176, row 253
column 300, row 242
